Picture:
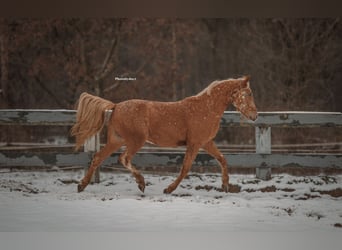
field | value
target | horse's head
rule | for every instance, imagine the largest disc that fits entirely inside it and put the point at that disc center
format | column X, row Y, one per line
column 243, row 100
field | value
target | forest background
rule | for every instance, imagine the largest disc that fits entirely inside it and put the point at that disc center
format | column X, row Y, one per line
column 294, row 64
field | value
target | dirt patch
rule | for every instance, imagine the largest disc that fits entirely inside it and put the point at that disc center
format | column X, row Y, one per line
column 289, row 190
column 110, row 183
column 256, row 181
column 315, row 215
column 338, row 225
column 14, row 186
column 205, row 187
column 250, row 190
column 181, row 195
column 188, row 186
column 104, row 199
column 268, row 189
column 148, row 183
column 233, row 188
column 306, row 181
column 289, row 210
column 194, row 175
column 306, row 197
column 161, row 200
column 329, row 179
column 334, row 193
column 68, row 181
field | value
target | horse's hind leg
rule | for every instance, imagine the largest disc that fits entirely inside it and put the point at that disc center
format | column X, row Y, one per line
column 113, row 144
column 125, row 159
column 211, row 149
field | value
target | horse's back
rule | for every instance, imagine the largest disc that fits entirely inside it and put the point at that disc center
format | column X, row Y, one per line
column 129, row 118
column 162, row 123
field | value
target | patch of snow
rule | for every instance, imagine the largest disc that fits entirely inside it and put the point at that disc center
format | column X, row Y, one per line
column 48, row 201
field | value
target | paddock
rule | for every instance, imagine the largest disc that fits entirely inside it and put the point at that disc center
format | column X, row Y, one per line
column 48, row 201
column 38, row 188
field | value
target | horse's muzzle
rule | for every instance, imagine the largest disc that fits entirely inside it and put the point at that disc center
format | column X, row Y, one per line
column 253, row 116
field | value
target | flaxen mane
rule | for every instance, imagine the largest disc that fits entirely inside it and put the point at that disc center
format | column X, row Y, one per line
column 208, row 89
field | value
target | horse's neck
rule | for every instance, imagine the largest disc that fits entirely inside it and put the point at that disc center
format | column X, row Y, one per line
column 214, row 102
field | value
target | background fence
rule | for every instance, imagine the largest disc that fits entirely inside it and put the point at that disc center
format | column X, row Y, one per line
column 263, row 159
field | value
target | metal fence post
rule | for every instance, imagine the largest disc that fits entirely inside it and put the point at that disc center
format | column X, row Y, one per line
column 92, row 145
column 263, row 146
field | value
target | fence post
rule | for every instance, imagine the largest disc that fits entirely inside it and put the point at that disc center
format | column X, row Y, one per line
column 263, row 146
column 92, row 145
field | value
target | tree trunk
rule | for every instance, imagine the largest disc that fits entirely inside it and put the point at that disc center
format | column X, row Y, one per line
column 174, row 61
column 4, row 68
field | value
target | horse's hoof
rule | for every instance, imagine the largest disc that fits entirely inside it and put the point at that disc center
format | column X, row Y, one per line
column 225, row 188
column 167, row 190
column 80, row 188
column 141, row 187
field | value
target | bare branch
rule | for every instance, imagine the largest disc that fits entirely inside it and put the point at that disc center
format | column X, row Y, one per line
column 49, row 92
column 4, row 59
column 106, row 66
column 82, row 56
column 104, row 71
column 112, row 87
column 138, row 70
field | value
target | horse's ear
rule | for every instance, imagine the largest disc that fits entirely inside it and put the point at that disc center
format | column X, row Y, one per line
column 245, row 82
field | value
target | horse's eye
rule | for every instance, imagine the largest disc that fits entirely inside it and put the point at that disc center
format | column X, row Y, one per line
column 246, row 94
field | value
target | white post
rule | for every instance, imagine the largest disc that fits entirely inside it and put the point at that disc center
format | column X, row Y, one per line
column 92, row 145
column 263, row 146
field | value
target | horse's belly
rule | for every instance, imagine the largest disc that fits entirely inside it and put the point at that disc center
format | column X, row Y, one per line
column 167, row 143
column 167, row 137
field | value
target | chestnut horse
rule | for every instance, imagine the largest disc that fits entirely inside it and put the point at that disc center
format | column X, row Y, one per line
column 192, row 122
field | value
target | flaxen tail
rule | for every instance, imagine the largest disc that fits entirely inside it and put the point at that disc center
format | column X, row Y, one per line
column 90, row 117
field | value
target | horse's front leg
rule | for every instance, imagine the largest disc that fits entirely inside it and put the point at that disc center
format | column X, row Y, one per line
column 190, row 155
column 211, row 149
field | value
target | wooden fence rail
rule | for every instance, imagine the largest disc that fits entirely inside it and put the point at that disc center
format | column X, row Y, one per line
column 263, row 158
column 65, row 117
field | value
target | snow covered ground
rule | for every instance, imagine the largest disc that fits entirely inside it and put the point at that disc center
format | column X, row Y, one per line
column 48, row 201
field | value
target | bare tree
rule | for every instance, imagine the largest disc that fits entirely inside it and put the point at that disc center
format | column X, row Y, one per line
column 293, row 61
column 48, row 63
column 3, row 63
